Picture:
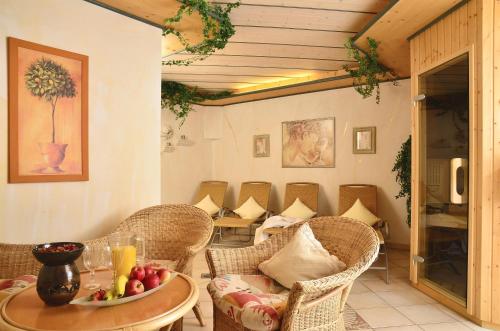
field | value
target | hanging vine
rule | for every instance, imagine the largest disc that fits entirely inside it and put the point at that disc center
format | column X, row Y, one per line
column 402, row 167
column 217, row 28
column 179, row 98
column 368, row 74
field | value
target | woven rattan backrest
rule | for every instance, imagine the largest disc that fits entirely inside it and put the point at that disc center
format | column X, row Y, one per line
column 349, row 193
column 260, row 191
column 216, row 190
column 306, row 192
column 353, row 242
column 169, row 229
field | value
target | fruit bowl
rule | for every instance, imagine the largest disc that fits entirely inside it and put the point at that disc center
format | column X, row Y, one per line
column 87, row 301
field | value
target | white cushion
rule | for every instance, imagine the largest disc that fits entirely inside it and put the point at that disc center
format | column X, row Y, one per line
column 250, row 209
column 359, row 212
column 302, row 258
column 298, row 210
column 208, row 205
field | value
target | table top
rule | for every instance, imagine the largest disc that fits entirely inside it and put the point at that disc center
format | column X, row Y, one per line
column 26, row 311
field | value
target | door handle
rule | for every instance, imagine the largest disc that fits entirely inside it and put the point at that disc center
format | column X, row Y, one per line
column 458, row 180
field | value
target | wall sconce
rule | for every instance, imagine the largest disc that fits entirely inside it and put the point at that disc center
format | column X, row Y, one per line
column 169, row 148
column 166, row 135
column 184, row 141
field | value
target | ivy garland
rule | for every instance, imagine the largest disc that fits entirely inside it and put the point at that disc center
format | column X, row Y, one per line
column 368, row 73
column 179, row 98
column 217, row 28
column 402, row 167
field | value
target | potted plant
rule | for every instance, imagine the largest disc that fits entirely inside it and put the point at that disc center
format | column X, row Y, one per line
column 402, row 168
column 50, row 82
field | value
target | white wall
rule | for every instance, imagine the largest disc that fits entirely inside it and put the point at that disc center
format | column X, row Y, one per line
column 124, row 122
column 234, row 161
column 184, row 169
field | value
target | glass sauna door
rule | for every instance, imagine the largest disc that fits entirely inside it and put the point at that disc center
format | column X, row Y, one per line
column 444, row 178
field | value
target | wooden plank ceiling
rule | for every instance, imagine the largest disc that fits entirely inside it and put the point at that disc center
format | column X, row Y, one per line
column 392, row 30
column 288, row 43
column 276, row 42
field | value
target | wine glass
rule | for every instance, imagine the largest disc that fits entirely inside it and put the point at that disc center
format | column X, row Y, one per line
column 107, row 262
column 140, row 246
column 92, row 259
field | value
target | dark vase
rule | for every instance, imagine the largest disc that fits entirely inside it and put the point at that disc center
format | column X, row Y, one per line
column 59, row 278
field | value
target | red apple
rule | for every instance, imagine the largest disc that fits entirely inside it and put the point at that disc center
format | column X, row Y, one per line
column 138, row 273
column 133, row 287
column 148, row 270
column 151, row 281
column 163, row 274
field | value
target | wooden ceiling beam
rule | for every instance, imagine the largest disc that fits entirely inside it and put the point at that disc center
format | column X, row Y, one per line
column 279, row 17
column 392, row 28
column 352, row 5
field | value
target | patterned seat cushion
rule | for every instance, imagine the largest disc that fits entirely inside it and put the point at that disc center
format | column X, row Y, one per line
column 11, row 286
column 254, row 301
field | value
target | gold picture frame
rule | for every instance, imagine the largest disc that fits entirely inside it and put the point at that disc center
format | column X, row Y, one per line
column 261, row 145
column 364, row 140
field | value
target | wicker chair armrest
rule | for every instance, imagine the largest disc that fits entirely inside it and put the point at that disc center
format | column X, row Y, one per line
column 185, row 263
column 241, row 261
column 314, row 302
column 17, row 260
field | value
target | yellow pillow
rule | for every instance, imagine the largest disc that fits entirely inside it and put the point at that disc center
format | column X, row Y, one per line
column 302, row 258
column 207, row 204
column 250, row 210
column 299, row 210
column 359, row 212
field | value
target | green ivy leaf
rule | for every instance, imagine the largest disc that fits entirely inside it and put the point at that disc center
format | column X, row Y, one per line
column 217, row 28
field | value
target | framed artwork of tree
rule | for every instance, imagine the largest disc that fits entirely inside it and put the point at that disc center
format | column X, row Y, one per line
column 48, row 114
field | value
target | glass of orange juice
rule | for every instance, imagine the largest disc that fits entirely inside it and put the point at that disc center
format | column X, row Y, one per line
column 123, row 252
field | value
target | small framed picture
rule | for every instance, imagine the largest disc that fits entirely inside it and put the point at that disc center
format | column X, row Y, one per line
column 261, row 145
column 364, row 140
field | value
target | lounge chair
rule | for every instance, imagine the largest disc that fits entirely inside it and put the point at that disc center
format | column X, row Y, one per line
column 260, row 192
column 216, row 190
column 306, row 192
column 367, row 194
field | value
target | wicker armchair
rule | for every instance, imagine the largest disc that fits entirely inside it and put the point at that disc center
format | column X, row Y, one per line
column 17, row 260
column 172, row 232
column 312, row 305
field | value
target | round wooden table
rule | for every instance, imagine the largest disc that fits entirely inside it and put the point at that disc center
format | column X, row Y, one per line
column 26, row 311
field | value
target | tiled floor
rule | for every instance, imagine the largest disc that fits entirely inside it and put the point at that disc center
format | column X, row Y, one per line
column 386, row 307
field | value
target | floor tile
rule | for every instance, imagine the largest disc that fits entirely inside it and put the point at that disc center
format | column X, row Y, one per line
column 381, row 286
column 358, row 287
column 400, row 298
column 383, row 317
column 398, row 272
column 474, row 326
column 455, row 326
column 371, row 275
column 365, row 300
column 400, row 328
column 425, row 314
column 450, row 312
column 193, row 325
